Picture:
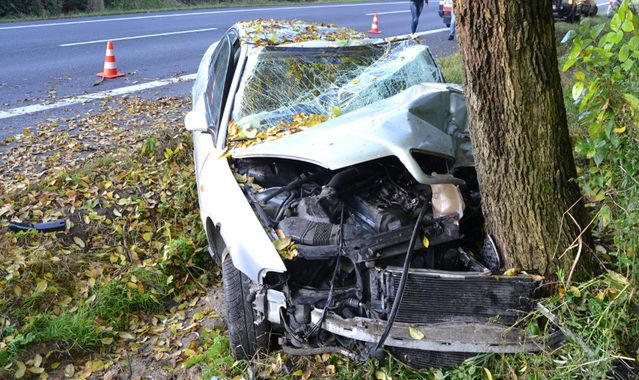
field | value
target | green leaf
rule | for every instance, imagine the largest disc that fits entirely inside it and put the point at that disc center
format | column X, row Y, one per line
column 570, row 62
column 605, row 215
column 596, row 30
column 533, row 328
column 627, row 26
column 615, row 23
column 577, row 90
column 580, row 76
column 624, row 53
column 632, row 100
column 594, row 130
column 627, row 66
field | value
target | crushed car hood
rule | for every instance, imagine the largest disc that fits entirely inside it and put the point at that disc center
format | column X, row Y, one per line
column 427, row 118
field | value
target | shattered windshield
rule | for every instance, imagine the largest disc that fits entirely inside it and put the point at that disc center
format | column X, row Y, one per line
column 290, row 88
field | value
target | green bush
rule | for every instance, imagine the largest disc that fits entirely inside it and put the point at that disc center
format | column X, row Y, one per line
column 604, row 60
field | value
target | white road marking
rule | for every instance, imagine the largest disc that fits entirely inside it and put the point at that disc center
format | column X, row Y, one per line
column 387, row 13
column 137, row 37
column 604, row 3
column 126, row 90
column 94, row 96
column 433, row 31
column 266, row 9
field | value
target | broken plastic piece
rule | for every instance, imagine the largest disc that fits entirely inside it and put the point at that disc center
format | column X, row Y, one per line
column 56, row 225
column 488, row 255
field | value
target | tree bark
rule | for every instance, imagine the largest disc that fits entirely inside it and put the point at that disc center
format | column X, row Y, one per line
column 519, row 132
column 95, row 5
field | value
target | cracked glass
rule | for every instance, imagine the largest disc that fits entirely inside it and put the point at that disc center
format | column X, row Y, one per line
column 284, row 85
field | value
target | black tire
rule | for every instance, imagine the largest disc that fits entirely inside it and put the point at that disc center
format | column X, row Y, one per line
column 448, row 24
column 594, row 11
column 245, row 336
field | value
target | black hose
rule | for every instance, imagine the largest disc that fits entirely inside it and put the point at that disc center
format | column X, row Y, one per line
column 329, row 299
column 402, row 283
column 261, row 214
column 282, row 208
column 290, row 186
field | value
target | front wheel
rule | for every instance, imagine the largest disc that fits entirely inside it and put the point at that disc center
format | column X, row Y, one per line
column 246, row 337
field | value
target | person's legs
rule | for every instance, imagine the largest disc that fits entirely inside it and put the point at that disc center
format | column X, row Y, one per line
column 416, row 11
column 451, row 35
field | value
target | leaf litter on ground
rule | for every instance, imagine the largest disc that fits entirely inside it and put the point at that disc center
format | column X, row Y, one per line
column 129, row 282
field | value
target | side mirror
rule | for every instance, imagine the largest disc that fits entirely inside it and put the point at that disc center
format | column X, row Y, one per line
column 196, row 122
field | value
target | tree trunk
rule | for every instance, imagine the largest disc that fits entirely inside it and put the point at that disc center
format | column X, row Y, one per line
column 519, row 132
column 95, row 5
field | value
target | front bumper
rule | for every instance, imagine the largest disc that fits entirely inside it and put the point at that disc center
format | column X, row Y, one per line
column 441, row 337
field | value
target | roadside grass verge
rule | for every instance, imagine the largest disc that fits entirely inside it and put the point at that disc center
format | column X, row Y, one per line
column 166, row 6
column 451, row 66
column 131, row 260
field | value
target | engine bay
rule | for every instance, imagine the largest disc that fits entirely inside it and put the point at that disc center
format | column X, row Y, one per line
column 366, row 212
column 347, row 234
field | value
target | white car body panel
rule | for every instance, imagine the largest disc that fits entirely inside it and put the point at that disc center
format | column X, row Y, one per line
column 222, row 199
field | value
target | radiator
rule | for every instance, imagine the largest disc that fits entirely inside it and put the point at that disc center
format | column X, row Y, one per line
column 433, row 296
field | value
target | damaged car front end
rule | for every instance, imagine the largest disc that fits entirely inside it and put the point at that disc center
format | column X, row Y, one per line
column 336, row 184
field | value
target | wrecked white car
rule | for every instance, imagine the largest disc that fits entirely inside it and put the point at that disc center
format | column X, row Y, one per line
column 336, row 185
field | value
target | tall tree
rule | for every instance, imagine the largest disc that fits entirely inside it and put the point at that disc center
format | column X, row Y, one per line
column 519, row 131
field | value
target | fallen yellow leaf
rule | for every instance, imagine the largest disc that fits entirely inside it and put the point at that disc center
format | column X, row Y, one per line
column 415, row 333
column 19, row 374
column 511, row 272
column 79, row 242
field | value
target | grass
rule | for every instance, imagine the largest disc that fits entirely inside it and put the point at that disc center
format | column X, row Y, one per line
column 115, row 301
column 77, row 331
column 451, row 66
column 70, row 332
column 217, row 358
column 166, row 8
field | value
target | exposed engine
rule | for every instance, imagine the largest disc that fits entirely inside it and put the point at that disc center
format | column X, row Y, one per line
column 352, row 230
column 366, row 212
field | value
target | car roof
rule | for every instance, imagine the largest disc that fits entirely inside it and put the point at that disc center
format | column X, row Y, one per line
column 263, row 32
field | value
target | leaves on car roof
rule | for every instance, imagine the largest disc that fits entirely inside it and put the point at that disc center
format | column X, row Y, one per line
column 238, row 137
column 269, row 32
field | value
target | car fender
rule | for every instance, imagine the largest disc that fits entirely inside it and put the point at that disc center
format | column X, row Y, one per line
column 222, row 200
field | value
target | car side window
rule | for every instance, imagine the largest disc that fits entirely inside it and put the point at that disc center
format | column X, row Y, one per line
column 217, row 84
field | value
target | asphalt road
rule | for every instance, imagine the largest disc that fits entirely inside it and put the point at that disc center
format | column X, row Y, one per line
column 43, row 61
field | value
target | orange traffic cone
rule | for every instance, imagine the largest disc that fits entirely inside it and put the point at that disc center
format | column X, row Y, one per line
column 375, row 26
column 110, row 71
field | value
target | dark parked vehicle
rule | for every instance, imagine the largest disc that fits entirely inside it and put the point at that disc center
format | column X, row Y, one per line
column 446, row 11
column 573, row 10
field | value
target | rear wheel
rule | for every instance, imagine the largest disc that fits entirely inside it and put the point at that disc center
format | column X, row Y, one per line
column 245, row 336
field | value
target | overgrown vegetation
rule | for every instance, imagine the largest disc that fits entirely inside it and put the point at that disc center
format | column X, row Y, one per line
column 602, row 85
